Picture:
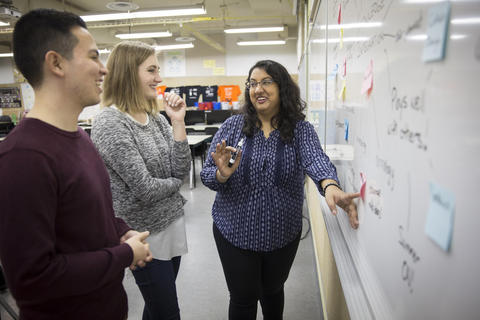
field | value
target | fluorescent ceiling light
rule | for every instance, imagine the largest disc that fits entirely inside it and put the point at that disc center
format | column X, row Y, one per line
column 422, row 1
column 337, row 40
column 146, row 14
column 474, row 20
column 174, row 46
column 260, row 43
column 433, row 1
column 417, row 37
column 144, row 35
column 251, row 30
column 458, row 36
column 10, row 54
column 104, row 51
column 359, row 25
column 423, row 37
column 3, row 24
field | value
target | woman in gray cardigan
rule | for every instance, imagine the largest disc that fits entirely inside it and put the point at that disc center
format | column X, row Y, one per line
column 147, row 160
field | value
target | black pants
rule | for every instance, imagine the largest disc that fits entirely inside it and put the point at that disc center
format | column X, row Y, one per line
column 3, row 284
column 253, row 276
column 156, row 282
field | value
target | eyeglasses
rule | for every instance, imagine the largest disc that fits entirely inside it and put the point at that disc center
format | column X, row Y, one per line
column 265, row 83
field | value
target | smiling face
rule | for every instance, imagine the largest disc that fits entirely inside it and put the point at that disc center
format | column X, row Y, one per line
column 85, row 71
column 265, row 98
column 148, row 74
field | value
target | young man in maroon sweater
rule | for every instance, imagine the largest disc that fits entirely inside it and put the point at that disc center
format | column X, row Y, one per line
column 62, row 249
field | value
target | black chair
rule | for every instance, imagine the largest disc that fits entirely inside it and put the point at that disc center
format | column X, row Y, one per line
column 6, row 125
column 209, row 131
column 193, row 132
column 217, row 116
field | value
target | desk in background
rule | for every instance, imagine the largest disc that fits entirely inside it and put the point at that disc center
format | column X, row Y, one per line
column 202, row 127
column 197, row 143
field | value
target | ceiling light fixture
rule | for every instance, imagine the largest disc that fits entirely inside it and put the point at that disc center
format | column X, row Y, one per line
column 144, row 35
column 337, row 40
column 359, row 25
column 185, row 39
column 122, row 6
column 473, row 20
column 189, row 11
column 252, row 30
column 423, row 37
column 3, row 24
column 173, row 46
column 4, row 55
column 261, row 43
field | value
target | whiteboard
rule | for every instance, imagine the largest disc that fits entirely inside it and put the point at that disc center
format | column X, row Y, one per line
column 416, row 131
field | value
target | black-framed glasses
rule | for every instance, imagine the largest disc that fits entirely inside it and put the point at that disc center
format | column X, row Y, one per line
column 265, row 83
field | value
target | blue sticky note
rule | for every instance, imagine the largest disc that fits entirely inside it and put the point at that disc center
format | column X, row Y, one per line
column 346, row 129
column 440, row 216
column 333, row 73
column 437, row 31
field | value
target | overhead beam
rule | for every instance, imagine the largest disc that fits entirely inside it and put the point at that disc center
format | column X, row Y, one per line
column 208, row 40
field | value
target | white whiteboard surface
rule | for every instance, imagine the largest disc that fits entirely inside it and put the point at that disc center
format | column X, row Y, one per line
column 418, row 126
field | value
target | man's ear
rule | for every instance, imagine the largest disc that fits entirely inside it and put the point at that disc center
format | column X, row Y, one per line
column 55, row 63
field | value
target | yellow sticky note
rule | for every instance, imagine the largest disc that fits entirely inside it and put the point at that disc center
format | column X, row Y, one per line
column 209, row 63
column 341, row 38
column 341, row 94
column 218, row 71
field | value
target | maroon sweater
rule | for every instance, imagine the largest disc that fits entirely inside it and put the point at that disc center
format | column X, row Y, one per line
column 59, row 238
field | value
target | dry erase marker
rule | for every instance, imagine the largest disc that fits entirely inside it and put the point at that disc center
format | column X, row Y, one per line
column 234, row 154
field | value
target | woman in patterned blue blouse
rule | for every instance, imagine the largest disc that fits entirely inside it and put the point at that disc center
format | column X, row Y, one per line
column 257, row 212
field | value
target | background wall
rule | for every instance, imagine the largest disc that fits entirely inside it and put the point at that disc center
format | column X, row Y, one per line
column 6, row 70
column 235, row 62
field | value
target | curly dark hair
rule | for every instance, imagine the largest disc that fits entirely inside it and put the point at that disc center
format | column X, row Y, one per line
column 291, row 105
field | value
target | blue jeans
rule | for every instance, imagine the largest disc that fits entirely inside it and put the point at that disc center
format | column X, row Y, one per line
column 156, row 282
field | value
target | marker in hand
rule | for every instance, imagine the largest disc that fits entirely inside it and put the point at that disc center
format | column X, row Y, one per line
column 234, row 154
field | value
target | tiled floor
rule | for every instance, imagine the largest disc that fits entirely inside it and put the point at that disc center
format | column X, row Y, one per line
column 201, row 287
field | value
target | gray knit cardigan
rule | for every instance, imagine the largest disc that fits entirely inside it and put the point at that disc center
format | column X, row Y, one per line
column 146, row 168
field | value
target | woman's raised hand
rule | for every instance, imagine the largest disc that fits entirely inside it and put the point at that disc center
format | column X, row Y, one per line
column 221, row 156
column 175, row 106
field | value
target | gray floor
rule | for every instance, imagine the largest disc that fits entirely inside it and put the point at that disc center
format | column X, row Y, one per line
column 201, row 287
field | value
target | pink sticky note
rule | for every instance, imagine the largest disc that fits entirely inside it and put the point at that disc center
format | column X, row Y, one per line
column 339, row 19
column 367, row 84
column 363, row 187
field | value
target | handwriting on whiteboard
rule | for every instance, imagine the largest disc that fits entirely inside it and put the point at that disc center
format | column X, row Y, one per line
column 407, row 269
column 388, row 171
column 406, row 134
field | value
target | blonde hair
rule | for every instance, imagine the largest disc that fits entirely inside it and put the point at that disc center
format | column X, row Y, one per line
column 122, row 85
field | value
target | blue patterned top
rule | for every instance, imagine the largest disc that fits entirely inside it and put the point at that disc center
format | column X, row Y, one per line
column 260, row 207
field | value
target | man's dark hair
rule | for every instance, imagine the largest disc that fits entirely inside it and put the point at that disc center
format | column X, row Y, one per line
column 291, row 105
column 38, row 32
